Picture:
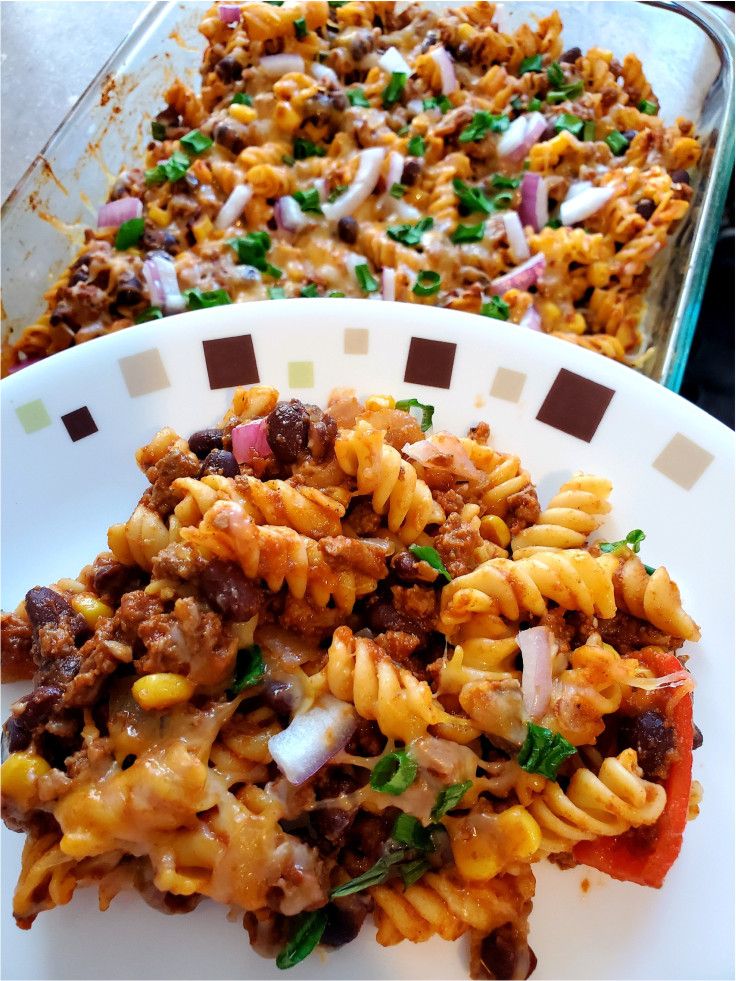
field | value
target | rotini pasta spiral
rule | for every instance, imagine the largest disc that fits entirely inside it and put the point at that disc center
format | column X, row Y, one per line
column 573, row 514
column 654, row 597
column 140, row 539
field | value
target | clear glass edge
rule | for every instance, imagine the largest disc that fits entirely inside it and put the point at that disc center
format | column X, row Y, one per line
column 705, row 233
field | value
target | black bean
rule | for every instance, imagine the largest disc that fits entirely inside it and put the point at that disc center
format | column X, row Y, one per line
column 331, row 823
column 66, row 668
column 569, row 56
column 80, row 275
column 44, row 606
column 347, row 229
column 361, row 45
column 652, row 739
column 62, row 314
column 16, row 736
column 127, row 762
column 226, row 135
column 229, row 69
column 40, row 704
column 344, row 919
column 680, row 176
column 130, row 291
column 225, row 586
column 549, row 133
column 646, row 208
column 697, row 737
column 288, row 430
column 220, row 462
column 383, row 617
column 412, row 170
column 204, row 441
column 110, row 579
column 506, row 954
column 278, row 695
column 463, row 52
column 404, row 566
column 430, row 39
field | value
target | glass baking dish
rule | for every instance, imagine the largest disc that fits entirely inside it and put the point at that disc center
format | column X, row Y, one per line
column 686, row 49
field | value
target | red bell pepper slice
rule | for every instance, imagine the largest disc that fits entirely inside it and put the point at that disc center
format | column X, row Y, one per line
column 646, row 860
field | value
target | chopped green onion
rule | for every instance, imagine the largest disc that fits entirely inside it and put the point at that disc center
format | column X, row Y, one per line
column 305, row 148
column 427, row 284
column 394, row 773
column 617, row 142
column 249, row 669
column 648, row 108
column 497, row 308
column 555, row 74
column 468, row 233
column 366, row 282
column 554, row 223
column 571, row 91
column 308, row 200
column 252, row 249
column 425, row 553
column 403, row 131
column 172, row 169
column 417, row 146
column 158, row 130
column 335, row 293
column 129, row 233
column 377, row 874
column 501, row 180
column 336, row 193
column 573, row 124
column 152, row 313
column 544, row 751
column 307, row 933
column 483, row 123
column 650, row 570
column 357, row 97
column 472, row 198
column 531, row 64
column 427, row 411
column 412, row 872
column 409, row 234
column 309, row 290
column 502, row 200
column 300, row 27
column 408, row 830
column 516, row 103
column 276, row 293
column 441, row 102
column 533, row 105
column 449, row 798
column 633, row 540
column 197, row 300
column 242, row 99
column 397, row 190
column 195, row 142
column 589, row 131
column 392, row 93
column 287, row 159
column 336, row 3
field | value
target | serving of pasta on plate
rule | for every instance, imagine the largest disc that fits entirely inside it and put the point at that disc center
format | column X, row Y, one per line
column 339, row 664
column 397, row 151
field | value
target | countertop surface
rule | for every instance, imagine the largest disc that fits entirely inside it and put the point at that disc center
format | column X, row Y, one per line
column 52, row 50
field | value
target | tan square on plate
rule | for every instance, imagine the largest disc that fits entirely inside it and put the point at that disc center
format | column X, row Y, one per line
column 356, row 340
column 683, row 461
column 144, row 373
column 508, row 385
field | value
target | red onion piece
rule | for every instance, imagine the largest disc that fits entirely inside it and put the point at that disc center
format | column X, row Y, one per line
column 520, row 278
column 443, row 451
column 518, row 245
column 289, row 216
column 113, row 214
column 584, row 204
column 250, row 440
column 369, row 169
column 443, row 60
column 388, row 283
column 313, row 738
column 531, row 320
column 323, row 73
column 20, row 365
column 534, row 209
column 229, row 15
column 159, row 273
column 521, row 135
column 537, row 650
column 393, row 61
column 233, row 208
column 281, row 64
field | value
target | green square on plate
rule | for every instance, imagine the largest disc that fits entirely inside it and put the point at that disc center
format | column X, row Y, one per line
column 33, row 416
column 301, row 374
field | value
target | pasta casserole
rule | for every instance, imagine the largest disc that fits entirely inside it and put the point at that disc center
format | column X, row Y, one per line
column 339, row 664
column 389, row 151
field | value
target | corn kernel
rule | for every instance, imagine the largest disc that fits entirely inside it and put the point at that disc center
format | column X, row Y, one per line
column 466, row 32
column 19, row 773
column 243, row 114
column 91, row 607
column 577, row 324
column 202, row 229
column 599, row 273
column 550, row 313
column 484, row 844
column 495, row 529
column 158, row 216
column 162, row 691
column 377, row 402
column 286, row 118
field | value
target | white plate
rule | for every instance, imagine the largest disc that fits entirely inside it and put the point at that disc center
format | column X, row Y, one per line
column 60, row 494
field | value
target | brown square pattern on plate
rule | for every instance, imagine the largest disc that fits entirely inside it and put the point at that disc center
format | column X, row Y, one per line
column 575, row 405
column 231, row 361
column 430, row 362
